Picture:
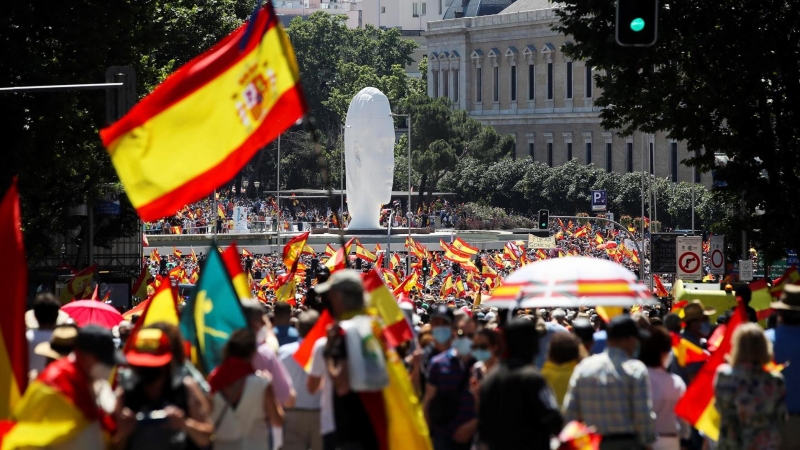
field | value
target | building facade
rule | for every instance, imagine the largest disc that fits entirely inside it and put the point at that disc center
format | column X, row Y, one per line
column 507, row 71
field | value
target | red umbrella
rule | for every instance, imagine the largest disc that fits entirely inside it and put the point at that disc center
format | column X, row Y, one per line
column 88, row 312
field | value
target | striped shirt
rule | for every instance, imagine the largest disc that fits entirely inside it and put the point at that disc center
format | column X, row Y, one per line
column 446, row 374
column 611, row 391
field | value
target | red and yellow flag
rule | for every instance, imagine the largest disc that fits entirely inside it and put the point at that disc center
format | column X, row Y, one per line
column 208, row 119
column 139, row 288
column 176, row 252
column 79, row 286
column 459, row 244
column 161, row 308
column 339, row 259
column 661, row 291
column 234, row 266
column 451, row 253
column 447, row 286
column 154, row 256
column 293, row 249
column 697, row 404
column 396, row 329
column 598, row 239
column 285, row 288
column 329, row 250
column 13, row 266
column 305, row 352
column 686, row 352
column 364, row 254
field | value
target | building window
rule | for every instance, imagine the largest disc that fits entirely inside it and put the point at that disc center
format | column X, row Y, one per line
column 435, row 84
column 569, row 79
column 569, row 151
column 609, row 158
column 549, row 81
column 629, row 157
column 455, row 85
column 496, row 81
column 513, row 83
column 589, row 81
column 673, row 161
column 440, row 7
column 478, row 85
column 424, row 8
column 530, row 149
column 550, row 154
column 531, row 82
column 588, row 153
column 445, row 83
column 415, row 10
column 383, row 9
column 652, row 163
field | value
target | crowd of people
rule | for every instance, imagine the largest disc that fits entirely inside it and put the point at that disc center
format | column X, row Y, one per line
column 295, row 215
column 486, row 378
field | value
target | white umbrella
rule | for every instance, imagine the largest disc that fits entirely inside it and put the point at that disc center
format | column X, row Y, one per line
column 570, row 282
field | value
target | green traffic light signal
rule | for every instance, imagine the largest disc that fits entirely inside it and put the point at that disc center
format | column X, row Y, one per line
column 637, row 24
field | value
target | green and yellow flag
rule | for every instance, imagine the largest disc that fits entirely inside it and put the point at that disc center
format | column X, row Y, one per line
column 212, row 314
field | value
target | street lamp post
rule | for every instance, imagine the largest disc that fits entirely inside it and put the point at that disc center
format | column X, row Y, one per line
column 409, row 214
column 256, row 184
column 388, row 241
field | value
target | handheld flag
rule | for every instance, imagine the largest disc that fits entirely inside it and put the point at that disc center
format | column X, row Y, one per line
column 396, row 328
column 305, row 352
column 234, row 267
column 161, row 308
column 79, row 286
column 212, row 313
column 208, row 119
column 686, row 352
column 13, row 346
column 293, row 249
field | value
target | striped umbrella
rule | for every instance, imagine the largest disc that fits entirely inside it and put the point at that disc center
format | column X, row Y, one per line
column 570, row 283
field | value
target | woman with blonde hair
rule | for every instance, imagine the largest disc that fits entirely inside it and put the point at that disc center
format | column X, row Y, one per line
column 750, row 399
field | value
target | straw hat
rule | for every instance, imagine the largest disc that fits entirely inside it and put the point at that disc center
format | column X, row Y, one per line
column 790, row 298
column 61, row 343
column 696, row 311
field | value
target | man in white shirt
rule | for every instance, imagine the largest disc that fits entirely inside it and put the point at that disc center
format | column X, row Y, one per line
column 45, row 309
column 327, row 425
column 302, row 423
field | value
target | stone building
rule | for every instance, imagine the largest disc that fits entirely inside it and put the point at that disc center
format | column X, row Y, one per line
column 507, row 71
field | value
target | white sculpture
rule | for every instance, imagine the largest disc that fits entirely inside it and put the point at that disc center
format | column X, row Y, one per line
column 369, row 157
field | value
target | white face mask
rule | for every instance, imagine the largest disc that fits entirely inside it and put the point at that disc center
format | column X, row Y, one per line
column 668, row 360
column 106, row 399
column 100, row 372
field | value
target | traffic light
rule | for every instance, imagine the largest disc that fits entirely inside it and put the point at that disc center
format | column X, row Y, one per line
column 425, row 268
column 637, row 23
column 544, row 219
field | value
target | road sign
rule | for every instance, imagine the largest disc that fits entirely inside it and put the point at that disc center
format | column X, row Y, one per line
column 715, row 256
column 746, row 270
column 663, row 256
column 541, row 242
column 610, row 225
column 689, row 257
column 599, row 200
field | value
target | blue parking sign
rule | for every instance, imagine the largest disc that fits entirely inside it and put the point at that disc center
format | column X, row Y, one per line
column 599, row 200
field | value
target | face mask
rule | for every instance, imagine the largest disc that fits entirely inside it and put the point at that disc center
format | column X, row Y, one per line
column 463, row 346
column 100, row 372
column 668, row 360
column 482, row 355
column 147, row 375
column 636, row 350
column 441, row 334
column 705, row 328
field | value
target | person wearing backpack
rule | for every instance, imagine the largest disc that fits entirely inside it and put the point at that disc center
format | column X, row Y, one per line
column 449, row 403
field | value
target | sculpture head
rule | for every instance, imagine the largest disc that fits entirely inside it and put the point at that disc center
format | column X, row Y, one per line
column 369, row 157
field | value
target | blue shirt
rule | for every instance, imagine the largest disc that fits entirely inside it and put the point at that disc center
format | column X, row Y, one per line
column 305, row 401
column 785, row 346
column 448, row 373
column 286, row 334
column 599, row 342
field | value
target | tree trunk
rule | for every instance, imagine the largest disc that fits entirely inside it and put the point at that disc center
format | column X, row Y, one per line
column 422, row 182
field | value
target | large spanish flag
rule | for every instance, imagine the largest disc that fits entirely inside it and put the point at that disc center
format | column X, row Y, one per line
column 198, row 128
column 396, row 329
column 13, row 266
column 293, row 249
column 697, row 404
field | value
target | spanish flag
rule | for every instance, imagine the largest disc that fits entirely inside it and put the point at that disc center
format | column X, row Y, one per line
column 139, row 289
column 305, row 352
column 364, row 254
column 447, row 286
column 13, row 266
column 329, row 250
column 79, row 286
column 661, row 291
column 197, row 129
column 459, row 244
column 220, row 212
column 154, row 256
column 293, row 249
column 697, row 404
column 396, row 329
column 687, row 352
column 234, row 267
column 598, row 238
column 285, row 288
column 339, row 259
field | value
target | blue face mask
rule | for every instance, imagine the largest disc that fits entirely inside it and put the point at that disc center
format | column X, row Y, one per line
column 463, row 346
column 441, row 334
column 482, row 355
column 705, row 328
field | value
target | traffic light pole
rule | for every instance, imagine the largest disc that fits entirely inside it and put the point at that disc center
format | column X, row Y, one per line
column 638, row 248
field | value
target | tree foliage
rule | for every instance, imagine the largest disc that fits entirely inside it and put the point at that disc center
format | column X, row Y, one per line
column 51, row 139
column 723, row 78
column 523, row 187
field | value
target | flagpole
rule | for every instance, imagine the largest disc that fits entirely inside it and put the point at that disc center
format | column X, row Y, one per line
column 278, row 195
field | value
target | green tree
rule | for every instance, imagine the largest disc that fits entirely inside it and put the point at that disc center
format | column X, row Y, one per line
column 51, row 139
column 700, row 85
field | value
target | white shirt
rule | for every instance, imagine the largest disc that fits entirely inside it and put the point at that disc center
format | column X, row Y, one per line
column 326, row 421
column 244, row 427
column 666, row 389
column 36, row 337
